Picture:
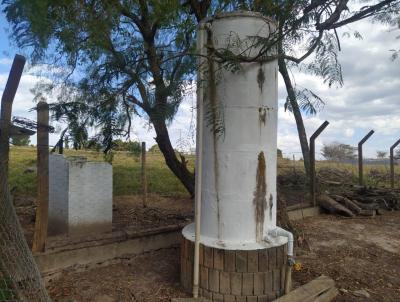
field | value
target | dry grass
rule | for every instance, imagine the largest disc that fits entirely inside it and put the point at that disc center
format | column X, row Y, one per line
column 160, row 179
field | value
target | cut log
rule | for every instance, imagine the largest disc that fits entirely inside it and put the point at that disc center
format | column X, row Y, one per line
column 333, row 206
column 321, row 289
column 366, row 206
column 347, row 203
column 331, row 182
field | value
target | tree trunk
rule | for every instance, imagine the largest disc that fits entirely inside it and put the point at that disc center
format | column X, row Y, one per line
column 179, row 168
column 297, row 114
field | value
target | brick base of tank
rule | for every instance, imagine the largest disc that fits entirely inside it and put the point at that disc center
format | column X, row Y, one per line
column 229, row 275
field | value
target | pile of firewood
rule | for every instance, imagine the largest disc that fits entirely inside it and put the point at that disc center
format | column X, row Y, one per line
column 361, row 201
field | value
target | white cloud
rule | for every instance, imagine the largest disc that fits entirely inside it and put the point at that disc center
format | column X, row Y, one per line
column 368, row 100
column 5, row 61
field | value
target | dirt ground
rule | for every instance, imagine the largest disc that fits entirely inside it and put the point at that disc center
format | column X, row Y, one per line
column 150, row 277
column 128, row 211
column 361, row 254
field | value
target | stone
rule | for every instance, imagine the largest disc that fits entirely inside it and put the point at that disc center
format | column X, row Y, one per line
column 361, row 293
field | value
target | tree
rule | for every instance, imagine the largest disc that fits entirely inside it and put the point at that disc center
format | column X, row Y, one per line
column 137, row 57
column 133, row 147
column 312, row 27
column 125, row 51
column 20, row 140
column 381, row 154
column 338, row 152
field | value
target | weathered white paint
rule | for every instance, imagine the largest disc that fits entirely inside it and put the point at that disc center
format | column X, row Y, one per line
column 80, row 196
column 230, row 222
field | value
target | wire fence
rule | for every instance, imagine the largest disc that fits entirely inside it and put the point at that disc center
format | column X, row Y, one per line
column 376, row 171
column 20, row 279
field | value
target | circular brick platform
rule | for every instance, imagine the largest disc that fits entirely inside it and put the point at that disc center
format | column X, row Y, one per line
column 229, row 275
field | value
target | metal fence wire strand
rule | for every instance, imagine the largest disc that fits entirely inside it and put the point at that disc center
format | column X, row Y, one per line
column 20, row 279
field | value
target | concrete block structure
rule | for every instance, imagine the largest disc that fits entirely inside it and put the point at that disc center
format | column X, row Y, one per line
column 80, row 195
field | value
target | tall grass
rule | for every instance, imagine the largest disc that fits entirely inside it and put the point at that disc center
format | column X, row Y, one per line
column 126, row 172
column 127, row 169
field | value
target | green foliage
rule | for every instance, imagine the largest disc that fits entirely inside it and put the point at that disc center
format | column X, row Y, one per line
column 20, row 140
column 381, row 154
column 308, row 101
column 116, row 59
column 131, row 146
column 126, row 171
column 338, row 152
column 6, row 290
column 155, row 149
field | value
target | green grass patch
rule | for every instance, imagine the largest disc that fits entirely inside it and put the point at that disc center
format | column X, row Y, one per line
column 126, row 172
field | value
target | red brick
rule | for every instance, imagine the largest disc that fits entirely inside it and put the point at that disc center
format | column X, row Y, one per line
column 271, row 258
column 263, row 260
column 229, row 261
column 190, row 250
column 201, row 254
column 241, row 261
column 262, row 298
column 248, row 284
column 259, row 279
column 229, row 298
column 268, row 282
column 218, row 297
column 208, row 257
column 283, row 276
column 203, row 277
column 252, row 261
column 219, row 259
column 280, row 256
column 236, row 283
column 224, row 283
column 207, row 294
column 213, row 280
column 276, row 276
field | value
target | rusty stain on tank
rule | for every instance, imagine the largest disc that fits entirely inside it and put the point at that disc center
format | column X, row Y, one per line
column 271, row 205
column 262, row 114
column 260, row 200
column 260, row 78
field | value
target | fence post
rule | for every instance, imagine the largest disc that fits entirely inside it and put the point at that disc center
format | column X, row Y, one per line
column 360, row 157
column 312, row 160
column 6, row 108
column 41, row 223
column 144, row 178
column 16, row 260
column 392, row 163
column 294, row 164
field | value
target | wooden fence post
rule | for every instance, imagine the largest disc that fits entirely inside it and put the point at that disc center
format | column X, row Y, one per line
column 41, row 223
column 5, row 119
column 144, row 177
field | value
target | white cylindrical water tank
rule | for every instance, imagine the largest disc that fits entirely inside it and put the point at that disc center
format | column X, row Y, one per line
column 240, row 161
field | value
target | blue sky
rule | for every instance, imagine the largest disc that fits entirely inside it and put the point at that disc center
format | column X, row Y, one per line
column 368, row 100
column 5, row 46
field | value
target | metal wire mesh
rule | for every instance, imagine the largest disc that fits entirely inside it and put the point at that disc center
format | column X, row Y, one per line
column 20, row 279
